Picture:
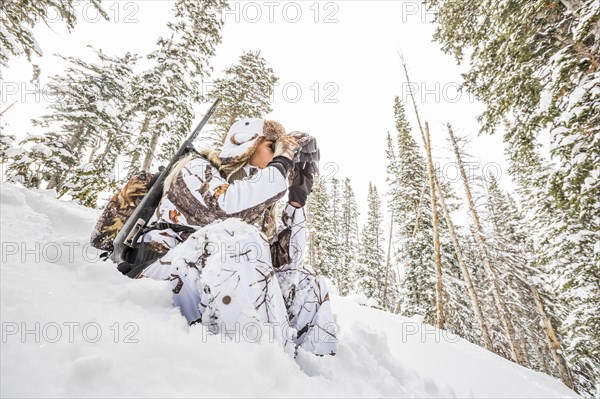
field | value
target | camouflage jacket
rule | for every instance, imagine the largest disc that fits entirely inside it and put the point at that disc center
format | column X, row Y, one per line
column 199, row 195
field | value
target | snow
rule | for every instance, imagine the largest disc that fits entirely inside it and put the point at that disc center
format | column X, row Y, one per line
column 580, row 158
column 583, row 21
column 7, row 140
column 42, row 148
column 545, row 100
column 72, row 326
column 14, row 152
column 576, row 96
column 103, row 106
column 11, row 40
column 579, row 236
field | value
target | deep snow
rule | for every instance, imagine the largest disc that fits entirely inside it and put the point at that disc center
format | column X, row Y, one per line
column 73, row 326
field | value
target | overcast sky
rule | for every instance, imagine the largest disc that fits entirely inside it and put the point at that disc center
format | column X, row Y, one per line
column 338, row 66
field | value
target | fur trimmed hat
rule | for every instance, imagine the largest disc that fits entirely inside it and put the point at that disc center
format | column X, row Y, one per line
column 245, row 135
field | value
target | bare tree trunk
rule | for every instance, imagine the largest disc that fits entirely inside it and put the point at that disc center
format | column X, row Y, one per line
column 136, row 157
column 522, row 344
column 60, row 178
column 543, row 364
column 436, row 232
column 93, row 153
column 152, row 150
column 466, row 275
column 53, row 182
column 150, row 154
column 436, row 236
column 489, row 268
column 57, row 180
column 541, row 347
column 387, row 263
column 553, row 341
column 7, row 108
column 107, row 149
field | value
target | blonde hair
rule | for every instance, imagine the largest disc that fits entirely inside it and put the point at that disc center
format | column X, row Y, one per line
column 229, row 172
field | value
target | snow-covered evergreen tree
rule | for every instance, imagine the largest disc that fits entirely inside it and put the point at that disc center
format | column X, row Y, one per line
column 245, row 92
column 320, row 225
column 18, row 18
column 409, row 202
column 512, row 253
column 112, row 79
column 37, row 158
column 536, row 61
column 371, row 258
column 565, row 253
column 349, row 238
column 458, row 310
column 91, row 112
column 7, row 142
column 335, row 258
column 534, row 66
column 165, row 94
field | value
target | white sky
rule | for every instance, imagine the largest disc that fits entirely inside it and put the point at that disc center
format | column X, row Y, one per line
column 342, row 56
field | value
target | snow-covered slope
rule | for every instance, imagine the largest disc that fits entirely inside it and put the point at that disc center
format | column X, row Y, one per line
column 73, row 326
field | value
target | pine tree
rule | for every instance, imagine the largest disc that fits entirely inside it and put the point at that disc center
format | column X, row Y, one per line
column 490, row 267
column 18, row 18
column 459, row 312
column 564, row 253
column 91, row 111
column 245, row 92
column 409, row 203
column 320, row 225
column 165, row 94
column 536, row 61
column 535, row 67
column 509, row 250
column 350, row 238
column 525, row 283
column 335, row 257
column 7, row 142
column 111, row 78
column 371, row 259
column 37, row 159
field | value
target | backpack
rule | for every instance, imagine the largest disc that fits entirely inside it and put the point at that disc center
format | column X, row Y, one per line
column 119, row 208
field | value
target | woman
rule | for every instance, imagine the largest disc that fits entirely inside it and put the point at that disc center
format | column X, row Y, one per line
column 229, row 265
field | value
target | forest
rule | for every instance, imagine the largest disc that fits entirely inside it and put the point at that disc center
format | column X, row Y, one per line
column 519, row 274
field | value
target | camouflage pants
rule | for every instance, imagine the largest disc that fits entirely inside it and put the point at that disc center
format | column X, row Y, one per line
column 222, row 276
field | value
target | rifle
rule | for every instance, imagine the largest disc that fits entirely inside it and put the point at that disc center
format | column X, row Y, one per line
column 126, row 239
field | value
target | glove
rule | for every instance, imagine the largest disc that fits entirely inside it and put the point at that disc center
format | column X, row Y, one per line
column 309, row 151
column 286, row 146
column 302, row 182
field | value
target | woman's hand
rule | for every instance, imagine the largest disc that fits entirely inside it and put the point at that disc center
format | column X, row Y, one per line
column 286, row 146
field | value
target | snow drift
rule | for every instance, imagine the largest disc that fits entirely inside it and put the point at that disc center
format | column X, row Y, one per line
column 72, row 326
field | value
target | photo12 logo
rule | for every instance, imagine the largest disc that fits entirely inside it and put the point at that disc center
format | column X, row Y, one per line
column 275, row 11
column 89, row 11
column 68, row 331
